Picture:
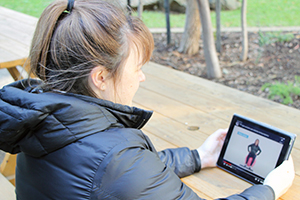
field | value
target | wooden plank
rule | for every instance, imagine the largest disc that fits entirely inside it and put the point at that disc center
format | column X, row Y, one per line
column 14, row 47
column 173, row 132
column 7, row 190
column 8, row 167
column 26, row 19
column 12, row 63
column 16, row 35
column 15, row 73
column 195, row 99
column 217, row 183
column 185, row 114
column 8, row 59
column 17, row 24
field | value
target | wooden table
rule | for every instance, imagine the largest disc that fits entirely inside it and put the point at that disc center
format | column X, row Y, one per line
column 180, row 100
column 16, row 30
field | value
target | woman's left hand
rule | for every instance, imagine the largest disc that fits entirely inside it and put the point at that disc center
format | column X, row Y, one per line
column 209, row 151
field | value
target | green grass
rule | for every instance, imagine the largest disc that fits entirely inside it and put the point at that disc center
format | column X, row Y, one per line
column 284, row 91
column 264, row 13
column 260, row 13
column 30, row 7
column 158, row 19
column 272, row 37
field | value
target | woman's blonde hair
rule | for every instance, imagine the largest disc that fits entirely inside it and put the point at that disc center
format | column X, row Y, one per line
column 67, row 45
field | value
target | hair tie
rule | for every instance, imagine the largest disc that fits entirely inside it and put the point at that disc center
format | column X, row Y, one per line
column 70, row 5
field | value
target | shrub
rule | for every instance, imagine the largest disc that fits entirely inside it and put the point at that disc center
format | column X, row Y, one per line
column 284, row 91
column 269, row 38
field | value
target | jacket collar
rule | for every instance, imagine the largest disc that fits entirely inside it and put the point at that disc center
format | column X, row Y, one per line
column 38, row 122
column 129, row 117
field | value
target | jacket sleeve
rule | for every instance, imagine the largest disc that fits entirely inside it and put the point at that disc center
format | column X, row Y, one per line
column 182, row 161
column 138, row 173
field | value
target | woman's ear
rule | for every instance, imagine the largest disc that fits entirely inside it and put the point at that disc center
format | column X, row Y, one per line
column 98, row 79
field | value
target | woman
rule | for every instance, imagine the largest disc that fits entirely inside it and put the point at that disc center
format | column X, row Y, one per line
column 75, row 132
column 253, row 150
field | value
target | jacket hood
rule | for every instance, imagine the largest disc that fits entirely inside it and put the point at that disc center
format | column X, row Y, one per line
column 38, row 123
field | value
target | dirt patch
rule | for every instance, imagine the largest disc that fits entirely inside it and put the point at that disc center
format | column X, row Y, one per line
column 275, row 61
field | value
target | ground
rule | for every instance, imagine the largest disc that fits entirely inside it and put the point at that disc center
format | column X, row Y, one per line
column 272, row 57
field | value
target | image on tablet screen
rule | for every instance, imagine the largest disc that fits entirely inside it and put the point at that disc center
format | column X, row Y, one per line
column 252, row 150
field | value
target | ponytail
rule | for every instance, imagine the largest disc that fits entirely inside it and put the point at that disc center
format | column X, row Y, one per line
column 40, row 45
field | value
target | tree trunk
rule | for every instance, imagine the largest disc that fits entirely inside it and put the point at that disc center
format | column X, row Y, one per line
column 210, row 54
column 218, row 20
column 189, row 43
column 129, row 7
column 167, row 11
column 244, row 55
column 140, row 9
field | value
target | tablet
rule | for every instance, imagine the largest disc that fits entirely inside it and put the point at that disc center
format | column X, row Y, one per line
column 252, row 149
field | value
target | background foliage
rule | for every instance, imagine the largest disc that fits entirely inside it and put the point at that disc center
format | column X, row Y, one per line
column 259, row 13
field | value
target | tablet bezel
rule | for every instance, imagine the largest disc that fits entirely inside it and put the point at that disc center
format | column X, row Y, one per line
column 237, row 170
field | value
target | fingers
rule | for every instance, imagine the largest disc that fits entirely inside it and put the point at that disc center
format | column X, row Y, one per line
column 221, row 133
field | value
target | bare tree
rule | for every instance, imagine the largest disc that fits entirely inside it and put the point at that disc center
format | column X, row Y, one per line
column 167, row 11
column 140, row 9
column 189, row 43
column 129, row 6
column 244, row 54
column 218, row 22
column 210, row 54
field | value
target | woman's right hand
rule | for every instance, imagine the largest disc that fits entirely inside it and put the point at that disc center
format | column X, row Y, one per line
column 281, row 178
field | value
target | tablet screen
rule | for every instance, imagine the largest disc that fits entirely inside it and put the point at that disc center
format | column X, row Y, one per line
column 251, row 150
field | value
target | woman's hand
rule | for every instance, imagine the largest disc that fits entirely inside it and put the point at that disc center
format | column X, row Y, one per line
column 281, row 178
column 210, row 150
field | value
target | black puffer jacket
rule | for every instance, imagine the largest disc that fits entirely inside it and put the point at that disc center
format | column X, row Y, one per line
column 78, row 147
